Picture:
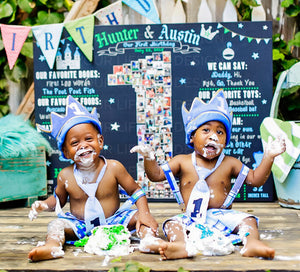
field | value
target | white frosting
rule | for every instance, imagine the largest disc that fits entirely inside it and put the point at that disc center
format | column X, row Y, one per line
column 99, row 242
column 207, row 242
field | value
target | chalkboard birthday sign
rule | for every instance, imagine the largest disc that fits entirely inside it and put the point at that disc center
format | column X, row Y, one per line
column 141, row 74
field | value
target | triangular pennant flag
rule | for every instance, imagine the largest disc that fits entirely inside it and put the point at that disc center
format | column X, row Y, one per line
column 242, row 37
column 258, row 40
column 48, row 37
column 146, row 8
column 226, row 30
column 82, row 32
column 110, row 15
column 233, row 34
column 13, row 37
column 249, row 39
column 219, row 26
column 266, row 41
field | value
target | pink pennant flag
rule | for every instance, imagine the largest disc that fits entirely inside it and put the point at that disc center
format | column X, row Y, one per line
column 13, row 37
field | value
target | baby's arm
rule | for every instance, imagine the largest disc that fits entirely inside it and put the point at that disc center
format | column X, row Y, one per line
column 130, row 186
column 152, row 169
column 39, row 206
column 50, row 203
column 259, row 176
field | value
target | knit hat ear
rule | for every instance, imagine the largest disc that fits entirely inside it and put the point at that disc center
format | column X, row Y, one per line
column 200, row 112
column 75, row 114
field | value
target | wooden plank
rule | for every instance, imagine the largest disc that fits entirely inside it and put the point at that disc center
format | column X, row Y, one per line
column 80, row 9
column 279, row 228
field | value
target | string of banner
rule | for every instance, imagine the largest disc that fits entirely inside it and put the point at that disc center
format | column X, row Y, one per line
column 81, row 31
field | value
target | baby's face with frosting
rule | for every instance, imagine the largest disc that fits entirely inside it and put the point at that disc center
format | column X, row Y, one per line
column 83, row 143
column 209, row 139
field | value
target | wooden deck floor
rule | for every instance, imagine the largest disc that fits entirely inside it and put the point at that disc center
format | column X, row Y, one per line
column 279, row 228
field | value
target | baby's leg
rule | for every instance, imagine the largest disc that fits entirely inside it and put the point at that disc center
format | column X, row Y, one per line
column 253, row 247
column 176, row 248
column 53, row 247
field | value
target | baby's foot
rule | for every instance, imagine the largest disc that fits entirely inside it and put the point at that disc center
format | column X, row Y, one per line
column 173, row 250
column 45, row 252
column 257, row 249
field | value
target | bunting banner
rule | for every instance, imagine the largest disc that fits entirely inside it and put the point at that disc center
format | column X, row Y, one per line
column 13, row 37
column 146, row 8
column 82, row 32
column 48, row 38
column 110, row 15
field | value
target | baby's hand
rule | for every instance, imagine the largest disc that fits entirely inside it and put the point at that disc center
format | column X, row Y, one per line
column 145, row 150
column 37, row 207
column 275, row 147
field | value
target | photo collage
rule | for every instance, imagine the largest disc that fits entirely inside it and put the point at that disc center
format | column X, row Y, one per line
column 151, row 79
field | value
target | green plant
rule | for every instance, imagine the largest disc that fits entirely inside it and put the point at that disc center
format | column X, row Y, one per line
column 27, row 13
column 283, row 54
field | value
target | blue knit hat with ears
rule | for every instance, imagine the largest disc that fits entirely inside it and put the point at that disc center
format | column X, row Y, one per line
column 200, row 112
column 75, row 114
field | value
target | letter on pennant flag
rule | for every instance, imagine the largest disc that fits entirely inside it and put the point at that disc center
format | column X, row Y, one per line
column 145, row 7
column 48, row 37
column 110, row 15
column 13, row 37
column 82, row 32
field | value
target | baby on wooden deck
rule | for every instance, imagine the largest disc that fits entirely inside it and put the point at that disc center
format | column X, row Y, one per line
column 91, row 184
column 205, row 183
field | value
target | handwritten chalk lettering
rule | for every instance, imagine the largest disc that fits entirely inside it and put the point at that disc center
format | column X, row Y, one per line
column 141, row 44
column 237, row 75
column 52, row 83
column 236, row 129
column 227, row 151
column 220, row 83
column 253, row 195
column 78, row 83
column 62, row 74
column 139, row 51
column 212, row 66
column 251, row 137
column 247, row 129
column 253, row 109
column 60, row 91
column 43, row 102
column 208, row 83
column 237, row 121
column 46, row 91
column 74, row 91
column 88, row 74
column 238, row 151
column 239, row 65
column 41, row 75
column 243, row 144
column 234, row 83
column 249, row 83
column 204, row 94
column 89, row 90
column 234, row 94
column 246, row 160
column 251, row 94
column 90, row 101
column 242, row 137
column 224, row 66
column 187, row 36
column 105, row 39
column 55, row 109
column 66, row 83
column 128, row 44
column 223, row 74
column 57, row 101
